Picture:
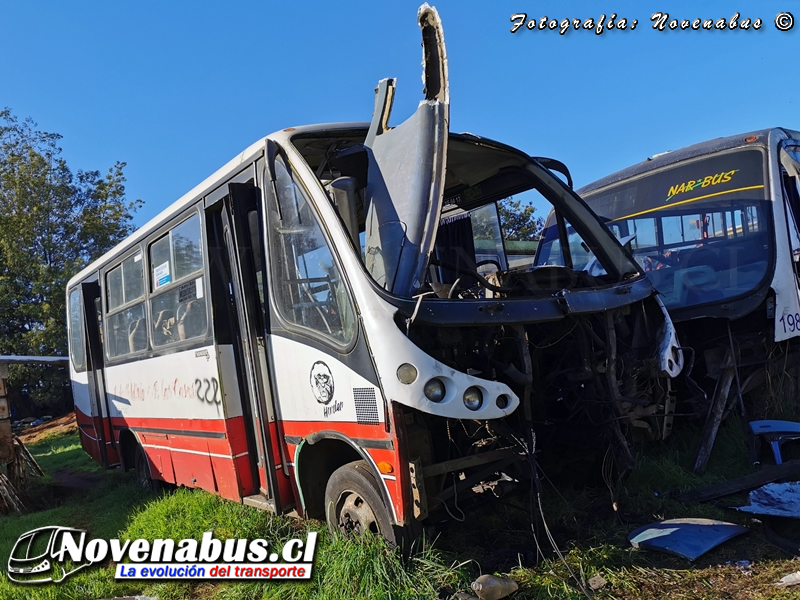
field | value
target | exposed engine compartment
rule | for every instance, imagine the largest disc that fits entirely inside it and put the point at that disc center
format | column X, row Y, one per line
column 586, row 380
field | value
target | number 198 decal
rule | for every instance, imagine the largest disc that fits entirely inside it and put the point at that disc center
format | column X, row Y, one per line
column 790, row 322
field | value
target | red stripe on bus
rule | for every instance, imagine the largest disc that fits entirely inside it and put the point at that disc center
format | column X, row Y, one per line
column 351, row 430
column 213, row 454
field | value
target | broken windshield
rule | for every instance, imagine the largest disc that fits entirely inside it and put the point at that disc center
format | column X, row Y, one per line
column 478, row 174
column 700, row 229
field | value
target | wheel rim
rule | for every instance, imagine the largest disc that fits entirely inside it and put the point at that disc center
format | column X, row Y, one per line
column 356, row 516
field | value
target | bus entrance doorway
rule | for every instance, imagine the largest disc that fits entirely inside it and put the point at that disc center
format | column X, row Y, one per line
column 238, row 283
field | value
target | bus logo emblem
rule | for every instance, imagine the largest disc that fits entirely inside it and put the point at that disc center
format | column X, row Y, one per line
column 39, row 556
column 321, row 382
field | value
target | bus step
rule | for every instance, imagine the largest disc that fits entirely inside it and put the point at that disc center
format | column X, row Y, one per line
column 260, row 502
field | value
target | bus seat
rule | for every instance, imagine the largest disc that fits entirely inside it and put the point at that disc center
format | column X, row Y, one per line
column 162, row 328
column 455, row 245
column 345, row 197
column 747, row 276
column 191, row 319
column 701, row 278
column 137, row 335
column 118, row 337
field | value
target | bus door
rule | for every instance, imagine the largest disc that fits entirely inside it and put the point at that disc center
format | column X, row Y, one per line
column 790, row 162
column 241, row 222
column 95, row 366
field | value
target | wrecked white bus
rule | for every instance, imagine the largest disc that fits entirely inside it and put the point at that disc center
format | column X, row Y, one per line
column 715, row 226
column 309, row 328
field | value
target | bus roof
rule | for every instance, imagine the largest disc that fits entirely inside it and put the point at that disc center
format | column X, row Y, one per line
column 693, row 151
column 198, row 191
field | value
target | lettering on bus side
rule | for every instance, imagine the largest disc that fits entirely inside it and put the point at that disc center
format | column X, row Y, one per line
column 332, row 409
column 702, row 182
column 207, row 390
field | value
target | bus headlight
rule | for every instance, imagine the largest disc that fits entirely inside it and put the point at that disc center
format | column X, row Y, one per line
column 434, row 390
column 473, row 398
column 406, row 373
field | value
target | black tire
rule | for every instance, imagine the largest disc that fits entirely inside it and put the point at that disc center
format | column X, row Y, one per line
column 141, row 467
column 353, row 504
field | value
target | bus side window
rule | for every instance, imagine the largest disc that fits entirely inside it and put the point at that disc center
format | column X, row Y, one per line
column 177, row 306
column 308, row 289
column 127, row 325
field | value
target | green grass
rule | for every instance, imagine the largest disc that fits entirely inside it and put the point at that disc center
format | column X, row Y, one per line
column 497, row 537
column 103, row 511
column 343, row 569
column 63, row 453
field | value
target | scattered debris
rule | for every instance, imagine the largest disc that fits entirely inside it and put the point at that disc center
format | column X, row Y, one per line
column 490, row 587
column 718, row 404
column 15, row 459
column 27, row 457
column 464, row 596
column 9, row 500
column 742, row 565
column 766, row 475
column 776, row 433
column 36, row 433
column 789, row 580
column 687, row 538
column 597, row 582
column 13, row 480
column 775, row 499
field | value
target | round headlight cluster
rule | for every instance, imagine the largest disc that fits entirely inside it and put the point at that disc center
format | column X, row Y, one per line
column 434, row 390
column 503, row 401
column 473, row 398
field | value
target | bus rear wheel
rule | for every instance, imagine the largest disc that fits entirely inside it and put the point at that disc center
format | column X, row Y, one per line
column 353, row 505
column 141, row 467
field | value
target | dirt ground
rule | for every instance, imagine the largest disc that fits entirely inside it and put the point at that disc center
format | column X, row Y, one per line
column 66, row 482
column 31, row 435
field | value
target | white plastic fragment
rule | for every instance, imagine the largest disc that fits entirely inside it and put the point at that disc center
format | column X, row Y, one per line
column 789, row 580
column 596, row 582
column 489, row 587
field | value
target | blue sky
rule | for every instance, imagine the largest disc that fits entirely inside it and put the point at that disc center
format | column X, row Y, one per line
column 176, row 89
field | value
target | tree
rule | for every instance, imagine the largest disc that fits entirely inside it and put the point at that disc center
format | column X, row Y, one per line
column 518, row 222
column 52, row 223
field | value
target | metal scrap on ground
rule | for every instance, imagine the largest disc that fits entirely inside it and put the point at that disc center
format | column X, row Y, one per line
column 687, row 538
column 751, row 481
column 776, row 500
